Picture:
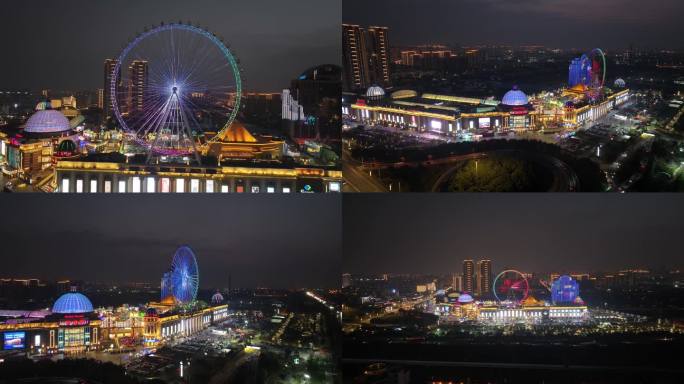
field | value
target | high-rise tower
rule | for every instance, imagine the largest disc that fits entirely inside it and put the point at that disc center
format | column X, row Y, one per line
column 138, row 77
column 484, row 277
column 377, row 51
column 109, row 66
column 468, row 276
column 355, row 66
column 365, row 56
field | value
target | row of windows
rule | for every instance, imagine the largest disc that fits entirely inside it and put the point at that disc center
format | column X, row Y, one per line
column 437, row 125
column 165, row 186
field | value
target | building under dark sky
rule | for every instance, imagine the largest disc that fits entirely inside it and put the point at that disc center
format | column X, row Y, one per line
column 555, row 23
column 63, row 45
column 261, row 241
column 433, row 233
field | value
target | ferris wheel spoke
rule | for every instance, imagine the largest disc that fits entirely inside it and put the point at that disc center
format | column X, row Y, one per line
column 149, row 114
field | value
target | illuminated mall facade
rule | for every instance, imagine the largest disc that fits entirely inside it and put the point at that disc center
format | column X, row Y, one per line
column 561, row 110
column 52, row 152
column 93, row 176
column 452, row 115
column 242, row 163
column 565, row 305
column 73, row 326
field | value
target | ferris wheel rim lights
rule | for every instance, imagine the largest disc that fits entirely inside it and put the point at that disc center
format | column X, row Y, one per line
column 115, row 78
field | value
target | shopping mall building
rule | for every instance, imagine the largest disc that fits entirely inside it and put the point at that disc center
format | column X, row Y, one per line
column 450, row 115
column 74, row 326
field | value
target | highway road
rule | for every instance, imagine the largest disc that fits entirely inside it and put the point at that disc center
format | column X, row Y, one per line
column 356, row 179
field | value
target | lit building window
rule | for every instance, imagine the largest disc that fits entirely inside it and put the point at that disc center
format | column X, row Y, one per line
column 286, row 190
column 150, row 185
column 255, row 189
column 210, row 186
column 107, row 186
column 270, row 189
column 334, row 186
column 122, row 186
column 240, row 189
column 165, row 185
column 194, row 185
column 136, row 184
column 224, row 189
column 65, row 185
column 93, row 186
column 180, row 185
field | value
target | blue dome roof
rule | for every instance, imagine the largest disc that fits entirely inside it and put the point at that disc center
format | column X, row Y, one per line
column 217, row 298
column 47, row 121
column 515, row 97
column 465, row 298
column 72, row 302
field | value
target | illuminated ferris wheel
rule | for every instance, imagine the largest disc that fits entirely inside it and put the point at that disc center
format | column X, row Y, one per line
column 171, row 84
column 594, row 70
column 184, row 275
column 510, row 285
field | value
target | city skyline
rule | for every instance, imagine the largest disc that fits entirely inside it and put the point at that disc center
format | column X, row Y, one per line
column 565, row 24
column 259, row 39
column 137, row 243
column 531, row 233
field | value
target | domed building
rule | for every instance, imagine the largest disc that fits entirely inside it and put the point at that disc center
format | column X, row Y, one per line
column 518, row 111
column 467, row 307
column 72, row 302
column 47, row 123
column 620, row 83
column 515, row 97
column 66, row 148
column 375, row 92
column 217, row 298
column 465, row 298
column 30, row 151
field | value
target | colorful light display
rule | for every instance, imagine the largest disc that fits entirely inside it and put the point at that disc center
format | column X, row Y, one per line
column 182, row 81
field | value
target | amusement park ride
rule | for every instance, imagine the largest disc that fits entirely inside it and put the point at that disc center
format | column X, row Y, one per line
column 589, row 72
column 511, row 286
column 182, row 281
column 183, row 81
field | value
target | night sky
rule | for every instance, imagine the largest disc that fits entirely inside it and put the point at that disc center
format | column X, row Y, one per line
column 433, row 233
column 553, row 23
column 63, row 44
column 266, row 241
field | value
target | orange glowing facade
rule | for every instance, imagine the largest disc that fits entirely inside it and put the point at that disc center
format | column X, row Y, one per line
column 237, row 142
